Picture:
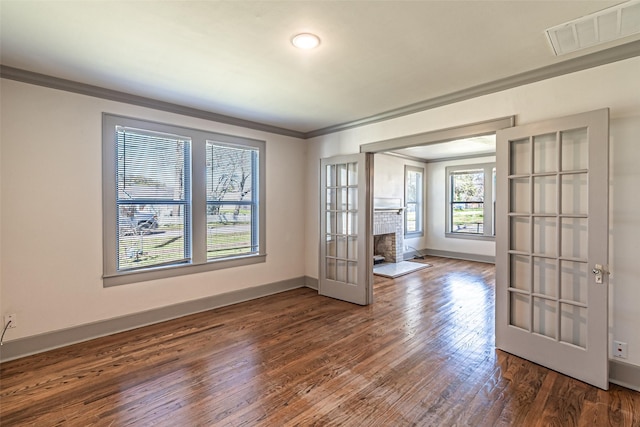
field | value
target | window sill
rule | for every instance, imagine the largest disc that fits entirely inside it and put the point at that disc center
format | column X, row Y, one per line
column 178, row 270
column 413, row 235
column 469, row 236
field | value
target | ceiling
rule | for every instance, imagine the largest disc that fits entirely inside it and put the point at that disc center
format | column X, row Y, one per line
column 460, row 148
column 234, row 58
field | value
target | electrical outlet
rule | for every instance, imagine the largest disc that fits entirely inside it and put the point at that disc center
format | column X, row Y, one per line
column 620, row 349
column 11, row 318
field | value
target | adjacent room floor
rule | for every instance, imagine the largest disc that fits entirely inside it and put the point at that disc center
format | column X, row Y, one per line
column 421, row 355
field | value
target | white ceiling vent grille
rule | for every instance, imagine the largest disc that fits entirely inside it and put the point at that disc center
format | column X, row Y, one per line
column 609, row 24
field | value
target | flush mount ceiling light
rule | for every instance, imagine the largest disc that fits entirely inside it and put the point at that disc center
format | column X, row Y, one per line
column 607, row 25
column 305, row 41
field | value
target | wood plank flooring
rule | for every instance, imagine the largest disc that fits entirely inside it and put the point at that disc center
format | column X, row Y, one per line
column 422, row 355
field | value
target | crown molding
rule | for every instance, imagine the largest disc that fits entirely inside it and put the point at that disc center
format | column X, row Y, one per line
column 30, row 77
column 603, row 57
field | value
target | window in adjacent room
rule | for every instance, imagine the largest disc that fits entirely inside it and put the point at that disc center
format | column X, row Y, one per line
column 178, row 200
column 471, row 200
column 413, row 196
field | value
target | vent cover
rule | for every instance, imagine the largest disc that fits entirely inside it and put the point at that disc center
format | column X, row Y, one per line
column 609, row 24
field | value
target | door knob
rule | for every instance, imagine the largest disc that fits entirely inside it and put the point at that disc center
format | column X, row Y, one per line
column 598, row 272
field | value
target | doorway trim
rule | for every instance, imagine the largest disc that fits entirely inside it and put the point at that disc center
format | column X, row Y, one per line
column 442, row 135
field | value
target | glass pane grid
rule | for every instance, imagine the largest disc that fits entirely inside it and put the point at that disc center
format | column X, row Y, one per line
column 341, row 222
column 549, row 280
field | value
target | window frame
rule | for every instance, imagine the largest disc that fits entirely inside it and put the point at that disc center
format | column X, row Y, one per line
column 198, row 203
column 419, row 232
column 488, row 201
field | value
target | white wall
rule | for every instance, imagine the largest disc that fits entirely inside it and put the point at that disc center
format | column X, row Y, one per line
column 51, row 210
column 388, row 182
column 615, row 85
column 624, row 236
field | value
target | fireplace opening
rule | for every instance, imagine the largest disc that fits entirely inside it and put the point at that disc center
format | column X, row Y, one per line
column 384, row 245
column 388, row 235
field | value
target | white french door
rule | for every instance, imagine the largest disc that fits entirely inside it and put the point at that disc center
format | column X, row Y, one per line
column 346, row 254
column 552, row 244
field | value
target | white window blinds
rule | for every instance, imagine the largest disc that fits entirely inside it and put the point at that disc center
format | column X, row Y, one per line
column 153, row 192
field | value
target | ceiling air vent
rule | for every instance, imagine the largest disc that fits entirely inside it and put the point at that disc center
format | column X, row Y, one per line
column 609, row 24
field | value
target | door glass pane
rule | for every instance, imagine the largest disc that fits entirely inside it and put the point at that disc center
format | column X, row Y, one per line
column 353, row 174
column 545, row 276
column 341, row 199
column 352, row 204
column 341, row 171
column 331, row 246
column 574, row 237
column 519, row 310
column 331, row 199
column 342, row 247
column 573, row 325
column 341, row 271
column 331, row 222
column 545, row 153
column 544, row 317
column 353, row 223
column 331, row 175
column 352, row 273
column 544, row 195
column 574, row 194
column 545, row 236
column 520, row 157
column 341, row 223
column 331, row 268
column 574, row 278
column 520, row 272
column 352, row 248
column 575, row 149
column 519, row 195
column 520, row 232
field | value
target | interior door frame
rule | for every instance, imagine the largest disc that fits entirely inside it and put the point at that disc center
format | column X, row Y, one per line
column 427, row 138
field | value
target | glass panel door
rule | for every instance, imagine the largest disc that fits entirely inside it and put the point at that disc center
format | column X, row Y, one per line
column 345, row 269
column 553, row 230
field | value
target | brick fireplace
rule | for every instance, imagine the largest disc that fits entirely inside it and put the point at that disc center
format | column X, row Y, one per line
column 388, row 235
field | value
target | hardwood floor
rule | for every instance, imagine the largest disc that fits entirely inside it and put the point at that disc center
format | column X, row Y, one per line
column 421, row 355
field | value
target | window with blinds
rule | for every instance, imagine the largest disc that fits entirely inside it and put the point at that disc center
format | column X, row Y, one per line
column 153, row 193
column 179, row 200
